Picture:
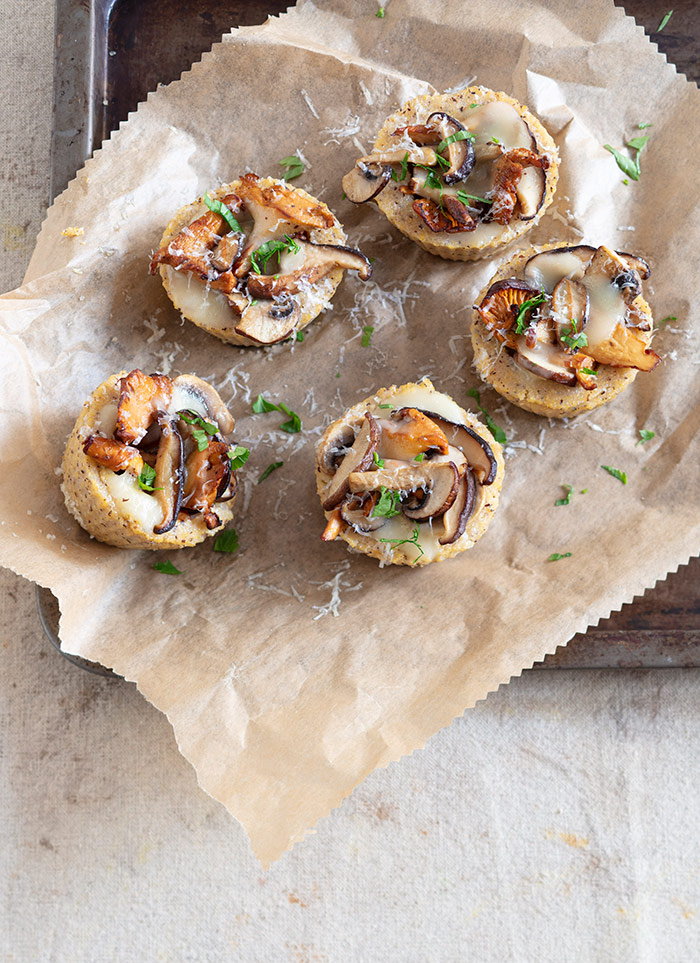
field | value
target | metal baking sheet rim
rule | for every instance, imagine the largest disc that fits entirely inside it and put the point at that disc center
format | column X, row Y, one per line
column 80, row 60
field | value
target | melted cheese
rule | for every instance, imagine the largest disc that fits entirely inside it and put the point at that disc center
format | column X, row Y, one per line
column 546, row 270
column 501, row 121
column 606, row 308
column 132, row 503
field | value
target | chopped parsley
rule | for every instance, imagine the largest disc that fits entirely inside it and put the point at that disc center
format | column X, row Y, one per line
column 262, row 255
column 524, row 308
column 379, row 462
column 299, row 336
column 555, row 556
column 261, row 406
column 616, row 473
column 226, row 541
column 386, row 406
column 413, row 540
column 643, row 126
column 667, row 17
column 432, row 181
column 200, row 430
column 574, row 338
column 269, row 470
column 494, row 140
column 404, row 173
column 645, row 435
column 472, row 106
column 387, row 504
column 590, row 371
column 238, row 456
column 637, row 143
column 146, row 478
column 669, row 317
column 367, row 333
column 566, row 500
column 294, row 166
column 167, row 568
column 626, row 164
column 380, row 13
column 498, row 433
column 420, row 456
column 453, row 138
column 465, row 198
column 219, row 208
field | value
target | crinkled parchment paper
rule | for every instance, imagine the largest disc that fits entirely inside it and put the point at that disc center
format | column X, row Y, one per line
column 292, row 669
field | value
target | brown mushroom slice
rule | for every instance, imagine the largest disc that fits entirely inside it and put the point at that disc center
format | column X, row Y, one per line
column 548, row 267
column 570, row 304
column 637, row 317
column 365, row 181
column 437, row 480
column 336, row 447
column 269, row 322
column 209, row 397
column 545, row 361
column 207, row 474
column 141, row 397
column 416, row 155
column 191, row 249
column 356, row 511
column 457, row 515
column 460, row 152
column 531, row 190
column 636, row 263
column 334, row 526
column 584, row 369
column 476, row 449
column 318, row 261
column 499, row 309
column 420, row 134
column 227, row 250
column 357, row 459
column 113, row 454
column 608, row 264
column 623, row 349
column 439, row 219
column 169, row 475
column 410, row 432
column 507, row 174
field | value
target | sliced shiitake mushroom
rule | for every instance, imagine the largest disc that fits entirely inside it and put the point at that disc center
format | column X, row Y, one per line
column 569, row 306
column 336, row 447
column 437, row 481
column 356, row 510
column 207, row 475
column 169, row 473
column 365, row 181
column 550, row 364
column 507, row 175
column 531, row 190
column 476, row 449
column 317, row 260
column 416, row 155
column 268, row 322
column 357, row 459
column 457, row 515
column 210, row 399
column 547, row 267
column 459, row 152
column 500, row 307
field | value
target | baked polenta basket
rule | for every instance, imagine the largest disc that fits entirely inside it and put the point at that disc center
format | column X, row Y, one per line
column 254, row 261
column 462, row 174
column 147, row 464
column 408, row 476
column 563, row 330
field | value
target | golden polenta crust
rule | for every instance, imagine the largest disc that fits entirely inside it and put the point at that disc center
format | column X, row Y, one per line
column 90, row 501
column 523, row 388
column 397, row 207
column 313, row 300
column 487, row 496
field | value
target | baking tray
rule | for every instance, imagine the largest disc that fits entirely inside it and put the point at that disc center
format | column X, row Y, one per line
column 110, row 53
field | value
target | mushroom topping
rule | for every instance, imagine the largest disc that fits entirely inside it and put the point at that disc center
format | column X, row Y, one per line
column 476, row 449
column 113, row 454
column 365, row 181
column 336, row 447
column 169, row 474
column 268, row 322
column 637, row 264
column 545, row 269
column 457, row 515
column 410, row 432
column 584, row 369
column 607, row 264
column 141, row 397
column 207, row 476
column 414, row 155
column 334, row 526
column 460, row 151
column 569, row 306
column 317, row 261
column 357, row 459
column 437, row 481
column 226, row 251
column 438, row 219
column 531, row 190
column 508, row 173
column 501, row 306
column 214, row 406
column 192, row 247
column 551, row 364
column 356, row 511
column 623, row 349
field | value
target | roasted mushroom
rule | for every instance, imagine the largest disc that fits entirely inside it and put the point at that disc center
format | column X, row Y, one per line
column 357, row 459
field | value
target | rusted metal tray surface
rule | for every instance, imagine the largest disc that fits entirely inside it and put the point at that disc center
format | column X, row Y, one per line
column 111, row 53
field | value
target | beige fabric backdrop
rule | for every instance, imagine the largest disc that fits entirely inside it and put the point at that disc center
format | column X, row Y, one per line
column 579, row 843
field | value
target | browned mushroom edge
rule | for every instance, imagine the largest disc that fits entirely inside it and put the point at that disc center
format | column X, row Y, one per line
column 179, row 457
column 258, row 255
column 403, row 461
column 436, row 163
column 571, row 310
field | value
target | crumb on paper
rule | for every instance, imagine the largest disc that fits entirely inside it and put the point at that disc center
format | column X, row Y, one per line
column 72, row 231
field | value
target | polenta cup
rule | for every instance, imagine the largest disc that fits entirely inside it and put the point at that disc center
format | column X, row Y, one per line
column 408, row 477
column 462, row 174
column 562, row 330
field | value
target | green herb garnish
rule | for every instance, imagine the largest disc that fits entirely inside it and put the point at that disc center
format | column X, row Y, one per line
column 299, row 336
column 667, row 17
column 294, row 166
column 465, row 198
column 386, row 406
column 637, row 143
column 379, row 462
column 219, row 208
column 566, row 500
column 626, row 164
column 367, row 332
column 498, row 433
column 555, row 556
column 380, row 13
column 616, row 473
column 524, row 308
column 453, row 138
column 495, row 140
column 387, row 504
column 146, row 478
column 420, row 456
column 574, row 338
column 226, row 541
column 643, row 126
column 269, row 470
column 261, row 406
column 262, row 255
column 472, row 106
column 413, row 540
column 200, row 432
column 590, row 371
column 167, row 568
column 645, row 435
column 238, row 456
column 669, row 317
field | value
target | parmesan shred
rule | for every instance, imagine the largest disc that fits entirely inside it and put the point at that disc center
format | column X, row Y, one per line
column 335, row 585
column 348, row 129
column 467, row 82
column 308, row 102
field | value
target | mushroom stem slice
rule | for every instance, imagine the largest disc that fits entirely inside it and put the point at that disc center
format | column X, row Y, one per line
column 169, row 474
column 334, row 526
column 357, row 459
column 357, row 512
column 476, row 449
column 416, row 155
column 460, row 152
column 318, row 261
column 570, row 304
column 210, row 398
column 550, row 364
column 269, row 322
column 141, row 397
column 457, row 515
column 365, row 181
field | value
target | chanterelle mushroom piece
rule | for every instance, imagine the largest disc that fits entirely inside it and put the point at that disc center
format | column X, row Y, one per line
column 417, row 498
column 215, row 266
column 587, row 334
column 173, row 484
column 491, row 176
